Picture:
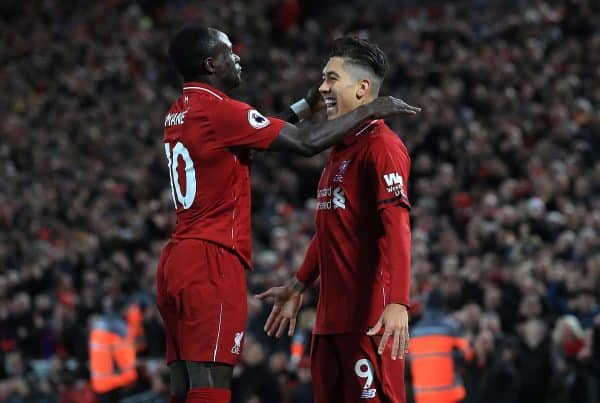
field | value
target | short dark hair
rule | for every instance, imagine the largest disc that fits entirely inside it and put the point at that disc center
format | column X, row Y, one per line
column 362, row 53
column 190, row 47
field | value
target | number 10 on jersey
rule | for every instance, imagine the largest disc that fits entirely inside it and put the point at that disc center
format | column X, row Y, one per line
column 185, row 199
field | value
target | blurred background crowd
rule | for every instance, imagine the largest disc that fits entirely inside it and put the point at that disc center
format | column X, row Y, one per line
column 505, row 182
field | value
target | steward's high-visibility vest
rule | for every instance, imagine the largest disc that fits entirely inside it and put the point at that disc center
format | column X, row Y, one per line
column 135, row 327
column 112, row 355
column 432, row 364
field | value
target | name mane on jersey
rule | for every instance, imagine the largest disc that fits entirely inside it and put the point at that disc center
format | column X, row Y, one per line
column 175, row 119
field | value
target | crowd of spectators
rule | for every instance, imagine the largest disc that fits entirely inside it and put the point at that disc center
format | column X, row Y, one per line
column 505, row 181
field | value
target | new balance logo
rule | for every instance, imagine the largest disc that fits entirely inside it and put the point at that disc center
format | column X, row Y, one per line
column 339, row 199
column 368, row 393
column 237, row 343
column 393, row 179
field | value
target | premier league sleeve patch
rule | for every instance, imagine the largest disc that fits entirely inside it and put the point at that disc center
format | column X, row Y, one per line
column 257, row 120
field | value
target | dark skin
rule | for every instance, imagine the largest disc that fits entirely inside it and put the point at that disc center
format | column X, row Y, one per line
column 223, row 71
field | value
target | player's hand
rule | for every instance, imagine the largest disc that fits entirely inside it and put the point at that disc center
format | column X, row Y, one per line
column 286, row 304
column 382, row 107
column 394, row 321
column 315, row 99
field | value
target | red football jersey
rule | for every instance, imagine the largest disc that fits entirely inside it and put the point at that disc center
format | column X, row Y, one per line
column 207, row 140
column 367, row 172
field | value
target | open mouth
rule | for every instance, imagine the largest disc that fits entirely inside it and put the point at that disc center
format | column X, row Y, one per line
column 330, row 103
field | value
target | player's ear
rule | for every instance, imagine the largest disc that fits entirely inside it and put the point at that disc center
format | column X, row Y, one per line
column 209, row 65
column 363, row 88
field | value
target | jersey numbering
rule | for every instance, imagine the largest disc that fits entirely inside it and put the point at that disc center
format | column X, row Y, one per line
column 363, row 368
column 185, row 199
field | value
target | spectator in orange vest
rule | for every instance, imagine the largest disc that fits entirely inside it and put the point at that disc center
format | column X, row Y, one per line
column 434, row 346
column 112, row 355
column 135, row 326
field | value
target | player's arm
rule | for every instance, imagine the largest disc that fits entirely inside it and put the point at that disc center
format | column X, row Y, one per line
column 287, row 299
column 394, row 252
column 312, row 139
column 389, row 167
column 290, row 116
column 236, row 124
column 304, row 108
column 308, row 272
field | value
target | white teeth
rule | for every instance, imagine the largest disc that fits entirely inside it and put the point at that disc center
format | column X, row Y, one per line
column 330, row 102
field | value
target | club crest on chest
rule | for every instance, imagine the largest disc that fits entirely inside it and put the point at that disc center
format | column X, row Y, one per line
column 339, row 175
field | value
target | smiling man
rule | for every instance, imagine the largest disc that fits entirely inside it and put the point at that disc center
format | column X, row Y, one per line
column 361, row 247
column 201, row 284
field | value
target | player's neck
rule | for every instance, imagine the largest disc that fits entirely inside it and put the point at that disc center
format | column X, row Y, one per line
column 366, row 100
column 212, row 81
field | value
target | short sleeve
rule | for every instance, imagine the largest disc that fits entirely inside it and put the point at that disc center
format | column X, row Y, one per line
column 389, row 168
column 238, row 124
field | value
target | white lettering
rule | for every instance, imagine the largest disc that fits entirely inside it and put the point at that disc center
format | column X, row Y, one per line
column 324, row 192
column 324, row 205
column 395, row 184
column 397, row 190
column 175, row 119
column 393, row 179
column 338, row 200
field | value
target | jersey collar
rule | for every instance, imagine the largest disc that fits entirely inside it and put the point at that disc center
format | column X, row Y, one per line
column 361, row 131
column 198, row 86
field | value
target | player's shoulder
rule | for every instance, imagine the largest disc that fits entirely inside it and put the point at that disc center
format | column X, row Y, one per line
column 203, row 100
column 202, row 103
column 221, row 106
column 384, row 138
column 203, row 94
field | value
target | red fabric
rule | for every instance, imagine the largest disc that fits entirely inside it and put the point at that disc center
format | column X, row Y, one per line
column 572, row 347
column 394, row 250
column 343, row 364
column 208, row 395
column 309, row 271
column 366, row 174
column 207, row 129
column 461, row 200
column 201, row 296
column 79, row 393
column 288, row 14
column 66, row 297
